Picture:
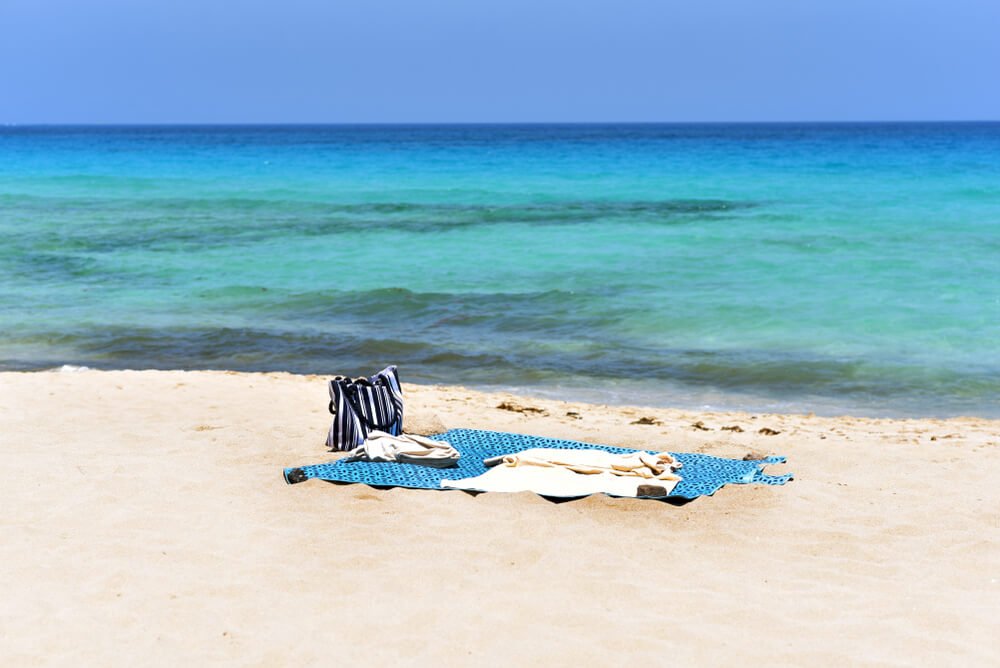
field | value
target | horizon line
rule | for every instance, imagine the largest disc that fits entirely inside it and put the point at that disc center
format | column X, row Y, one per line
column 11, row 124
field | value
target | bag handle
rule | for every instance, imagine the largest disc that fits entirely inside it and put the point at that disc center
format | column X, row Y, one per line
column 342, row 382
column 352, row 400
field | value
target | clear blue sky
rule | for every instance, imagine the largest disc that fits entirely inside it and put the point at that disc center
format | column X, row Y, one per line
column 147, row 61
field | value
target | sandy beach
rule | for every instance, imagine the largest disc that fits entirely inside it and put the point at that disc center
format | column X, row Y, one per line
column 146, row 522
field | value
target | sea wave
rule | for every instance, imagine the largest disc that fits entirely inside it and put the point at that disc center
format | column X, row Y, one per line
column 882, row 386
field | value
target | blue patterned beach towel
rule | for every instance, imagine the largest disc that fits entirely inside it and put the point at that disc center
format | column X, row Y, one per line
column 702, row 475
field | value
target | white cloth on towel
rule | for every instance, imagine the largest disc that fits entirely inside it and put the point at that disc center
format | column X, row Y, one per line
column 558, row 472
column 405, row 449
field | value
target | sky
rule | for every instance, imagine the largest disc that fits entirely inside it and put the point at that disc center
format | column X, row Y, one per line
column 426, row 61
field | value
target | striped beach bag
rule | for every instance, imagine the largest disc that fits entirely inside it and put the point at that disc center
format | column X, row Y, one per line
column 361, row 405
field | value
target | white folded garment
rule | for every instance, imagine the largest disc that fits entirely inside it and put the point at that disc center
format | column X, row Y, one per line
column 404, row 449
column 557, row 472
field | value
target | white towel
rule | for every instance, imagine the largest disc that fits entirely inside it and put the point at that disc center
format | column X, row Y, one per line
column 405, row 449
column 557, row 472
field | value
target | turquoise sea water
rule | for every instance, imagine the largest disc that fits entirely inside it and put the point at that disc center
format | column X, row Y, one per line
column 832, row 268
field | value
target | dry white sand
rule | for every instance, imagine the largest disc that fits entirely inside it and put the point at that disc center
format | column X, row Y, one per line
column 145, row 521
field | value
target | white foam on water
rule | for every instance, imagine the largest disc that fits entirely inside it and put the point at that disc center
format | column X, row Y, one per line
column 71, row 368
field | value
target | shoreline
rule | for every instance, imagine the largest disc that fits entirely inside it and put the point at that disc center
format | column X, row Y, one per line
column 605, row 396
column 147, row 516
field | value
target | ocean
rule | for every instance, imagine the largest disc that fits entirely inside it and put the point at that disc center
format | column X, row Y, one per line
column 831, row 268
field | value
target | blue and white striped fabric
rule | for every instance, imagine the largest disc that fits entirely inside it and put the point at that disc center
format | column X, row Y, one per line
column 362, row 405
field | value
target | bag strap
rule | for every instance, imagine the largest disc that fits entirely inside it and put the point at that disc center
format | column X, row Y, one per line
column 342, row 382
column 348, row 388
column 371, row 424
